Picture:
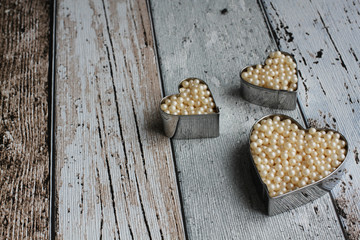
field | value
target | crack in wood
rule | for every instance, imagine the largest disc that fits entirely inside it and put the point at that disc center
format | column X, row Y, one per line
column 127, row 208
column 108, row 169
column 321, row 86
column 142, row 207
column 133, row 95
column 271, row 31
column 144, row 28
column 117, row 111
column 101, row 203
column 333, row 42
column 173, row 198
column 306, row 88
column 139, row 139
column 109, row 34
column 356, row 156
column 354, row 55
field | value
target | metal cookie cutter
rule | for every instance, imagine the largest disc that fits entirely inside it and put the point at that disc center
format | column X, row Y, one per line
column 281, row 99
column 191, row 126
column 300, row 196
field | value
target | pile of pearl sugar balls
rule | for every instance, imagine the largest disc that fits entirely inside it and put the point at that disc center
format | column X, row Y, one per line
column 194, row 99
column 288, row 158
column 279, row 73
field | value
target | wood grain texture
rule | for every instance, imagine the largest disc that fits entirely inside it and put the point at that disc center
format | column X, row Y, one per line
column 214, row 40
column 115, row 170
column 324, row 36
column 24, row 162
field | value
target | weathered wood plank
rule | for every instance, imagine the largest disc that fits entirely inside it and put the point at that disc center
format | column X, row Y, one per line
column 115, row 170
column 213, row 40
column 324, row 36
column 24, row 162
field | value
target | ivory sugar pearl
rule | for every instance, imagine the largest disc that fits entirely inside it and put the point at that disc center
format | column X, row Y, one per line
column 279, row 73
column 288, row 158
column 194, row 98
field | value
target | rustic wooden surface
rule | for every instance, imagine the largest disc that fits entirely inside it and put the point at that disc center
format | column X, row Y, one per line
column 24, row 174
column 214, row 41
column 324, row 36
column 115, row 176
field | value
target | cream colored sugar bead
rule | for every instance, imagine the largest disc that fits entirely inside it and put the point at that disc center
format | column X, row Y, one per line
column 194, row 99
column 288, row 158
column 279, row 73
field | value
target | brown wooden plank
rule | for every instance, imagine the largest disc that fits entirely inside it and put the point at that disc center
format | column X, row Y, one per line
column 115, row 174
column 324, row 37
column 24, row 174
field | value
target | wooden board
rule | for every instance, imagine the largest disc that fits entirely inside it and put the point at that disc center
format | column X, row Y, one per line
column 24, row 164
column 324, row 36
column 213, row 41
column 115, row 171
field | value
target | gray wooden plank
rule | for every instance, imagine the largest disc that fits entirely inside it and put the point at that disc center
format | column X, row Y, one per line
column 324, row 36
column 24, row 162
column 213, row 40
column 115, row 176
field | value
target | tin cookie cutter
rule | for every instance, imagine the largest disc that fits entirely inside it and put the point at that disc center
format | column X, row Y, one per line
column 301, row 196
column 281, row 99
column 191, row 126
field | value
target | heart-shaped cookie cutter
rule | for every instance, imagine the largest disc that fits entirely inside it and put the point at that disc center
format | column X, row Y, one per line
column 272, row 98
column 191, row 126
column 300, row 196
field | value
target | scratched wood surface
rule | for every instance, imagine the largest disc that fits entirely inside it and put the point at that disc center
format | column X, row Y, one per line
column 115, row 176
column 24, row 174
column 214, row 40
column 324, row 36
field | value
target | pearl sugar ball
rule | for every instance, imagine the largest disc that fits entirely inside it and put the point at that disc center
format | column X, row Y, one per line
column 194, row 99
column 279, row 73
column 288, row 158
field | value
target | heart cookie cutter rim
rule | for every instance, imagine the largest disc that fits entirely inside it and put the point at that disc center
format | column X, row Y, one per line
column 301, row 196
column 191, row 126
column 267, row 97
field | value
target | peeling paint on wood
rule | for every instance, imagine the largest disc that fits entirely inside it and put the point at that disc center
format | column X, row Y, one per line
column 326, row 38
column 115, row 170
column 219, row 198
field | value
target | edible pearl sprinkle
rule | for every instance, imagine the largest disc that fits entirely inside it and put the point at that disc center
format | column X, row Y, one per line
column 279, row 73
column 194, row 98
column 288, row 158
